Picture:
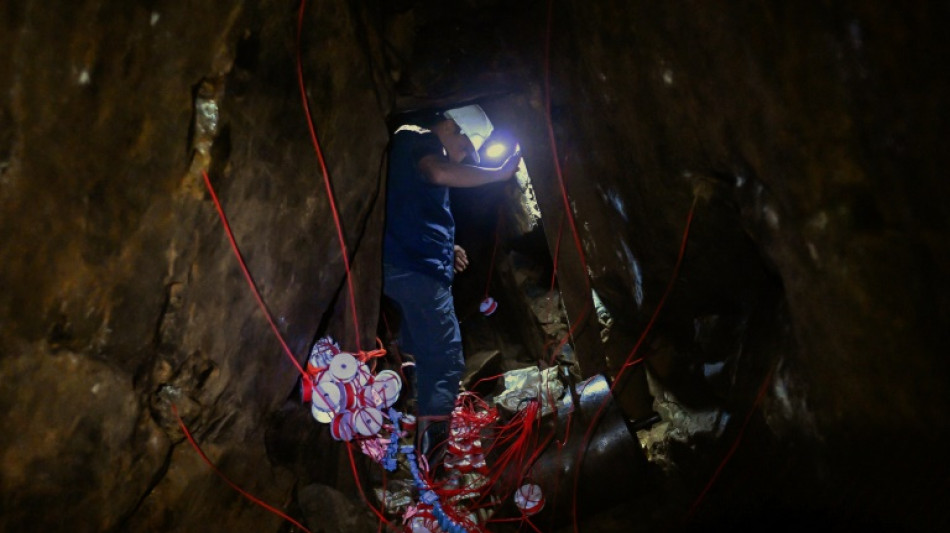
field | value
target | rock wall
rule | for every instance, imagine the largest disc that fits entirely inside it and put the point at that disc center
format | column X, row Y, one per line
column 121, row 295
column 808, row 135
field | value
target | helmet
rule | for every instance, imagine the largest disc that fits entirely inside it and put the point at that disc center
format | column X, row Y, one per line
column 473, row 122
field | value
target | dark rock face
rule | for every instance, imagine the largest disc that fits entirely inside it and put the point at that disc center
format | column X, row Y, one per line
column 121, row 296
column 809, row 138
column 807, row 145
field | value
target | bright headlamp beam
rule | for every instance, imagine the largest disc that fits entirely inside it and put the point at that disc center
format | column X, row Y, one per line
column 496, row 150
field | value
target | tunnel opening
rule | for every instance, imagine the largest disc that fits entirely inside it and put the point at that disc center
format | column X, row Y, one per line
column 526, row 333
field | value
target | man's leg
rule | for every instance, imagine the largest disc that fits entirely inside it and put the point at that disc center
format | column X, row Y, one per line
column 430, row 332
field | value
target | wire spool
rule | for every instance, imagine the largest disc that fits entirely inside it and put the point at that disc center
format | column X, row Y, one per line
column 488, row 306
column 351, row 394
column 342, row 426
column 344, row 366
column 324, row 417
column 367, row 421
column 424, row 524
column 328, row 396
column 386, row 386
column 322, row 353
column 363, row 375
column 529, row 499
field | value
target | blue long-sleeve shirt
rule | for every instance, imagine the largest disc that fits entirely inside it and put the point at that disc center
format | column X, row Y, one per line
column 420, row 229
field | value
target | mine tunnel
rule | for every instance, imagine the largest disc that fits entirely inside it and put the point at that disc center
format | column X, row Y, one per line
column 718, row 281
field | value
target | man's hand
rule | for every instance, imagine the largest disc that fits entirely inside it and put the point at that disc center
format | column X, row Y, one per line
column 461, row 259
column 510, row 166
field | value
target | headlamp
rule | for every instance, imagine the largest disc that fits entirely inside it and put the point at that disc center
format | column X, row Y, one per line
column 498, row 148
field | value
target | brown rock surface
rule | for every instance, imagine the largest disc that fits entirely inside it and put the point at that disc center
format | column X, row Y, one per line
column 810, row 134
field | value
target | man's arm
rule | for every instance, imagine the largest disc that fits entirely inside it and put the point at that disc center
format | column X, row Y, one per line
column 448, row 174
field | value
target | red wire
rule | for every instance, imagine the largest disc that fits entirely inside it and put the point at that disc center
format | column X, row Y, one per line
column 666, row 293
column 627, row 364
column 557, row 163
column 326, row 179
column 560, row 450
column 248, row 277
column 568, row 335
column 568, row 213
column 359, row 486
column 489, row 378
column 557, row 251
column 735, row 445
column 379, row 528
column 523, row 519
column 233, row 485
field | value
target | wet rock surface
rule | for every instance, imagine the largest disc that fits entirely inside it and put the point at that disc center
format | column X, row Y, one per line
column 121, row 296
column 809, row 137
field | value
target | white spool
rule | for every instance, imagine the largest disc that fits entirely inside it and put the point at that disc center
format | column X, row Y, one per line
column 328, row 396
column 385, row 388
column 367, row 421
column 488, row 306
column 529, row 498
column 344, row 366
column 324, row 417
column 322, row 352
column 363, row 375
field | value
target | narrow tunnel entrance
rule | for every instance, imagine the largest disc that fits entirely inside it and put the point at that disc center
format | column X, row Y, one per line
column 545, row 431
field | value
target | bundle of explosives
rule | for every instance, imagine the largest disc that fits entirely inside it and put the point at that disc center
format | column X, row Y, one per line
column 320, row 356
column 464, row 448
column 346, row 394
column 322, row 352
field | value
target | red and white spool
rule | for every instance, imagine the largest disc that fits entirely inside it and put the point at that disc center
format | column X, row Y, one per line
column 328, row 396
column 324, row 417
column 344, row 366
column 364, row 377
column 351, row 395
column 386, row 386
column 488, row 306
column 529, row 499
column 342, row 426
column 367, row 421
column 424, row 524
column 322, row 352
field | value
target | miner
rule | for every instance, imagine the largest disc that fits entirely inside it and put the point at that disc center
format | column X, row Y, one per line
column 420, row 257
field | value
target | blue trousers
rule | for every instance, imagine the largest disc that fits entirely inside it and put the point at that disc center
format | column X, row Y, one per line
column 430, row 332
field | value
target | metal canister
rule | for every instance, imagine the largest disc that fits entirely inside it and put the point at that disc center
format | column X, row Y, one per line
column 608, row 460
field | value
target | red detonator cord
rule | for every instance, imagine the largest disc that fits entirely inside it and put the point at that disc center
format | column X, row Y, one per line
column 326, row 178
column 233, row 485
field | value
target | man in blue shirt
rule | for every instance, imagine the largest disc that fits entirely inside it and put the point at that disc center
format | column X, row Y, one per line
column 420, row 258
